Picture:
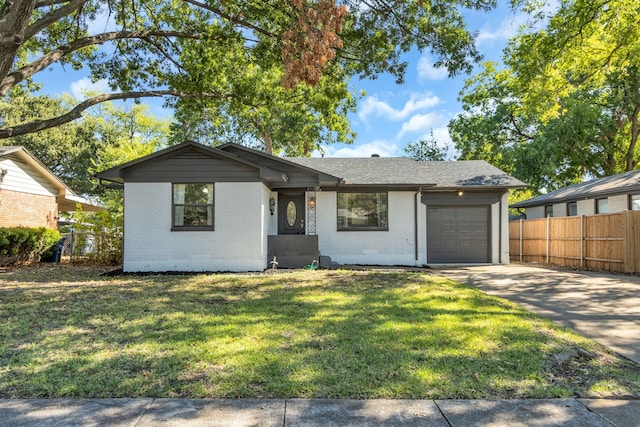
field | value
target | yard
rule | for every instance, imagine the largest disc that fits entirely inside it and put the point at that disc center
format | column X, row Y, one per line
column 69, row 332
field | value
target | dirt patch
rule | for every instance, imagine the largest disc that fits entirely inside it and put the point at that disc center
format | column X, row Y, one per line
column 582, row 372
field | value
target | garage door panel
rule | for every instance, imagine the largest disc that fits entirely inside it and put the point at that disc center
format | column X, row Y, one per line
column 458, row 234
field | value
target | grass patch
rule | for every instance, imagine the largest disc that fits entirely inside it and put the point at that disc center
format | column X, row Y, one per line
column 67, row 332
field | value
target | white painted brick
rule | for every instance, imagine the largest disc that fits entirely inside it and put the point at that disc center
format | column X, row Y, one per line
column 393, row 247
column 237, row 244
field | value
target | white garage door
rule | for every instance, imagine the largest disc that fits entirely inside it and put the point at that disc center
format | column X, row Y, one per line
column 458, row 234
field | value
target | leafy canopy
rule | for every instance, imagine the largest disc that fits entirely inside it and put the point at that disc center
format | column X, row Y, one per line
column 567, row 103
column 152, row 48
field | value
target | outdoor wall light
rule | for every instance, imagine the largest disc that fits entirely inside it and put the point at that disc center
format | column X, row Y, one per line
column 312, row 201
column 272, row 205
column 3, row 172
column 460, row 193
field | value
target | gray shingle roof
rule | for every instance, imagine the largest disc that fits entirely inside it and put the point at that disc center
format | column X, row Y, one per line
column 406, row 171
column 628, row 182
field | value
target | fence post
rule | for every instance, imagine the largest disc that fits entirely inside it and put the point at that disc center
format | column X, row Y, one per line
column 520, row 240
column 632, row 242
column 582, row 241
column 548, row 236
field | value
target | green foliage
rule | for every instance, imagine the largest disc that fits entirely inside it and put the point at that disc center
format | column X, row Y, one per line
column 97, row 236
column 67, row 150
column 426, row 150
column 567, row 104
column 225, row 64
column 25, row 244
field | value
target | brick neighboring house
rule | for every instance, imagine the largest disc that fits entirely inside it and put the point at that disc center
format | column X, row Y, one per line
column 30, row 194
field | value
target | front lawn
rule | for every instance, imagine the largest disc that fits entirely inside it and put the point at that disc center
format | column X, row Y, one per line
column 68, row 332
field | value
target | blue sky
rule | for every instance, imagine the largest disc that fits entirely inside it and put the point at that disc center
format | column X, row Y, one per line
column 390, row 115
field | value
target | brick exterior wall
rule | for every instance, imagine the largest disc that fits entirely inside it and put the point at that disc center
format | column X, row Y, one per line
column 27, row 210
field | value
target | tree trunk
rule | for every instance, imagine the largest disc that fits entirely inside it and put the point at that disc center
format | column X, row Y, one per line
column 14, row 19
column 268, row 145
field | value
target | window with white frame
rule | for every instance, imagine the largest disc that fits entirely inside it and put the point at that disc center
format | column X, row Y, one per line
column 363, row 211
column 634, row 202
column 193, row 207
column 602, row 206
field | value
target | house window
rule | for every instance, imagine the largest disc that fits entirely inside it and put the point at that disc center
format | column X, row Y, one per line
column 634, row 202
column 363, row 211
column 572, row 209
column 193, row 207
column 548, row 211
column 602, row 206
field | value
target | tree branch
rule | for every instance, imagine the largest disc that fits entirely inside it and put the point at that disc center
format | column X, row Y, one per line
column 43, row 62
column 52, row 17
column 76, row 112
column 231, row 19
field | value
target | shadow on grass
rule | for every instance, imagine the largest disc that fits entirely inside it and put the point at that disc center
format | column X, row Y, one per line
column 299, row 334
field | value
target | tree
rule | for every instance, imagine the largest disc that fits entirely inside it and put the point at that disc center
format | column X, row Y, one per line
column 145, row 48
column 566, row 105
column 426, row 150
column 67, row 149
column 270, row 117
column 106, row 136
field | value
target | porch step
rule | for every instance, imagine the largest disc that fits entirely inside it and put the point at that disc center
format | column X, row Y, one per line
column 293, row 251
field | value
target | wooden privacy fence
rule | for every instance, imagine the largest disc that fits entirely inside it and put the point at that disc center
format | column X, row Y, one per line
column 597, row 242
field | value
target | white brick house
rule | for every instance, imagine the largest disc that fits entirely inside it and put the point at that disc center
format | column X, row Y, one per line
column 191, row 207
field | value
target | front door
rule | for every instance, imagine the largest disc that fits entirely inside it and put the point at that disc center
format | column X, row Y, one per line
column 291, row 213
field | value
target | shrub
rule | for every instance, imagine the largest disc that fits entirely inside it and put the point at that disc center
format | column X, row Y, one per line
column 26, row 244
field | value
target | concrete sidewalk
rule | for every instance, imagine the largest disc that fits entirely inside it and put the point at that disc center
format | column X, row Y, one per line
column 602, row 306
column 318, row 412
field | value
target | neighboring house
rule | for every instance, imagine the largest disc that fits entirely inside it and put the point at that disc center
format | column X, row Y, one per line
column 191, row 207
column 30, row 194
column 611, row 194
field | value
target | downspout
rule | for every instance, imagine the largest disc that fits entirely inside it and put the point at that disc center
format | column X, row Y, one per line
column 415, row 221
column 501, row 230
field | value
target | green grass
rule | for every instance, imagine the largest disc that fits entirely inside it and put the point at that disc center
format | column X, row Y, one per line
column 67, row 332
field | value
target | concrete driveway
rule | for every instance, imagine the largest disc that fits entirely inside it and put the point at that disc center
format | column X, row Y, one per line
column 601, row 306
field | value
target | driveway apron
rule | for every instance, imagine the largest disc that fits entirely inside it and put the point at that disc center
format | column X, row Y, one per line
column 601, row 306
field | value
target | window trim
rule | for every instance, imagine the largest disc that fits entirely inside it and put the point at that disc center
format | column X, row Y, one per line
column 365, row 227
column 175, row 227
column 568, row 209
column 631, row 196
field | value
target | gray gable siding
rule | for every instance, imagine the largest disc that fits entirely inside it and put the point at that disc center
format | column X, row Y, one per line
column 189, row 161
column 297, row 176
column 190, row 166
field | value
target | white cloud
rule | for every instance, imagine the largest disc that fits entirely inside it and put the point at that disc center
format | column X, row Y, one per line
column 381, row 147
column 507, row 29
column 420, row 123
column 426, row 70
column 81, row 87
column 372, row 106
